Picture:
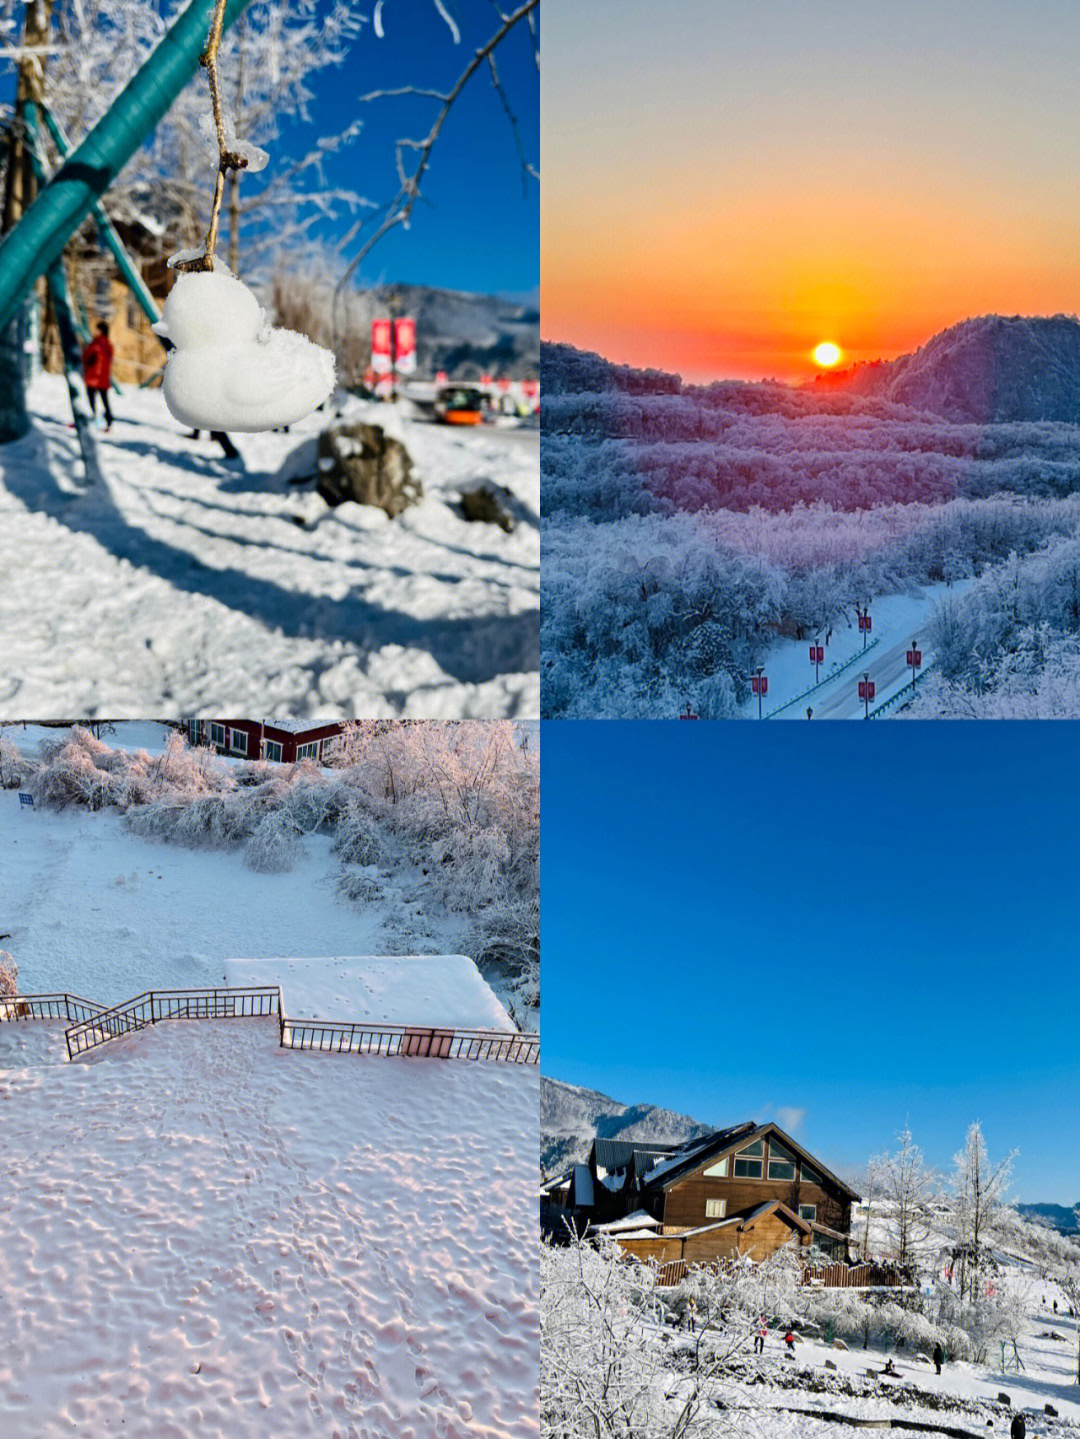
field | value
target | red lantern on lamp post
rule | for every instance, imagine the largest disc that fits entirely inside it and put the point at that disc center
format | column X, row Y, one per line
column 914, row 659
column 759, row 685
column 866, row 692
column 817, row 656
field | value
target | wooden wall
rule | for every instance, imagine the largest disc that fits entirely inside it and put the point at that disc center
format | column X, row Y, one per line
column 685, row 1201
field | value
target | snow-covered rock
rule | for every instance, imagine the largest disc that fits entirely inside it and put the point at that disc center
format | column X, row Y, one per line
column 230, row 370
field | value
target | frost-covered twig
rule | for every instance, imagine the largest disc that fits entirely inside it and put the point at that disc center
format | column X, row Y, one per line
column 400, row 208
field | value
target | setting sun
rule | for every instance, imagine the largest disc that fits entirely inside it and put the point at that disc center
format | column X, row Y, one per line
column 826, row 354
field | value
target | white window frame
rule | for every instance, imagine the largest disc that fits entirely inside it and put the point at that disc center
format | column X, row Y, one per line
column 719, row 1170
column 811, row 1176
column 787, row 1159
column 310, row 750
column 716, row 1209
column 758, row 1159
column 217, row 733
column 269, row 745
column 808, row 1212
column 235, row 736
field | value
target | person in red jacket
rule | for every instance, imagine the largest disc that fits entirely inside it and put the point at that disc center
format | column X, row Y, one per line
column 97, row 371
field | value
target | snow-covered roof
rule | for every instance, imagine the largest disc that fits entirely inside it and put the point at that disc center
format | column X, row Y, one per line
column 418, row 989
column 640, row 1219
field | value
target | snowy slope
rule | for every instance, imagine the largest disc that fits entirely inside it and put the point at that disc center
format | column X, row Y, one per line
column 208, row 1235
column 188, row 584
column 989, row 369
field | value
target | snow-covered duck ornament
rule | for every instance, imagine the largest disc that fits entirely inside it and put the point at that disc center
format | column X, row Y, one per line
column 229, row 369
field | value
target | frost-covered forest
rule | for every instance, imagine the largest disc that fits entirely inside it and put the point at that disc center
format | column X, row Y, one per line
column 457, row 801
column 687, row 529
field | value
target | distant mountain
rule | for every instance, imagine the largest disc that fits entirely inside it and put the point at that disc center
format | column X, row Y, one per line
column 570, row 1118
column 986, row 370
column 1057, row 1216
column 470, row 335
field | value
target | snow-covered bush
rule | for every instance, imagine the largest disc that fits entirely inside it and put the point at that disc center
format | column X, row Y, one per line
column 273, row 844
column 15, row 769
column 9, row 974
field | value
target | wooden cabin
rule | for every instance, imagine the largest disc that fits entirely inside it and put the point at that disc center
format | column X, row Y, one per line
column 747, row 1190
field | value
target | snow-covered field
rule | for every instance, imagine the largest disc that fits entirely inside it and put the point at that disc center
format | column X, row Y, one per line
column 188, row 583
column 207, row 1235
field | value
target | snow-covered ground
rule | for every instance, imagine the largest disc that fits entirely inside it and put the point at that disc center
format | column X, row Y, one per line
column 95, row 910
column 187, row 583
column 207, row 1235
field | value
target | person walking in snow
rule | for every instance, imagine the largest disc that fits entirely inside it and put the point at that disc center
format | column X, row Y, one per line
column 789, row 1340
column 97, row 371
column 761, row 1336
column 939, row 1357
column 1018, row 1428
column 691, row 1308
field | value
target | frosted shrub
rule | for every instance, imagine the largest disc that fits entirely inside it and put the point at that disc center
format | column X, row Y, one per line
column 16, row 771
column 273, row 845
column 70, row 776
column 358, row 839
column 9, row 974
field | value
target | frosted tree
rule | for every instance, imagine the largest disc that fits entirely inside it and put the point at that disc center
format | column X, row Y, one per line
column 611, row 1367
column 907, row 1185
column 979, row 1189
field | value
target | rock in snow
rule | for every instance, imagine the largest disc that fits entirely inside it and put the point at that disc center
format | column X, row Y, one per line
column 230, row 370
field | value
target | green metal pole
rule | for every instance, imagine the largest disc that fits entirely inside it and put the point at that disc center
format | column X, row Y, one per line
column 66, row 323
column 38, row 240
column 107, row 230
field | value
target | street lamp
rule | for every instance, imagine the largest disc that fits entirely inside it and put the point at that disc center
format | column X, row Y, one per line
column 866, row 624
column 759, row 685
column 866, row 692
column 914, row 659
column 817, row 655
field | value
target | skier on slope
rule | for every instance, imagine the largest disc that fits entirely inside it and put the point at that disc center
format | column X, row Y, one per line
column 97, row 371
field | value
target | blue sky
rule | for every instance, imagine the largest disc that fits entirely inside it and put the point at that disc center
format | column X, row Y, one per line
column 474, row 230
column 868, row 924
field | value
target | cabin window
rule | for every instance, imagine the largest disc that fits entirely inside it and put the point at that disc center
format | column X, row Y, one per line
column 715, row 1208
column 781, row 1161
column 238, row 741
column 749, row 1162
column 808, row 1212
column 308, row 751
column 811, row 1176
column 217, row 734
column 718, row 1170
column 272, row 748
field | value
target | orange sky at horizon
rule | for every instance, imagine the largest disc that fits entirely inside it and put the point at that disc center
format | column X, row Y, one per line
column 857, row 178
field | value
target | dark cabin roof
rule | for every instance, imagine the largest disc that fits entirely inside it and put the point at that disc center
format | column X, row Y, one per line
column 616, row 1154
column 715, row 1146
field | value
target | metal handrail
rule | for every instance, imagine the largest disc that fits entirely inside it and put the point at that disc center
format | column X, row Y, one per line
column 99, row 1024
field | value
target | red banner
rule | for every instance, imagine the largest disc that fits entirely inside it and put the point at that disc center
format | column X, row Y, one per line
column 817, row 654
column 866, row 689
column 380, row 346
column 405, row 346
column 914, row 658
